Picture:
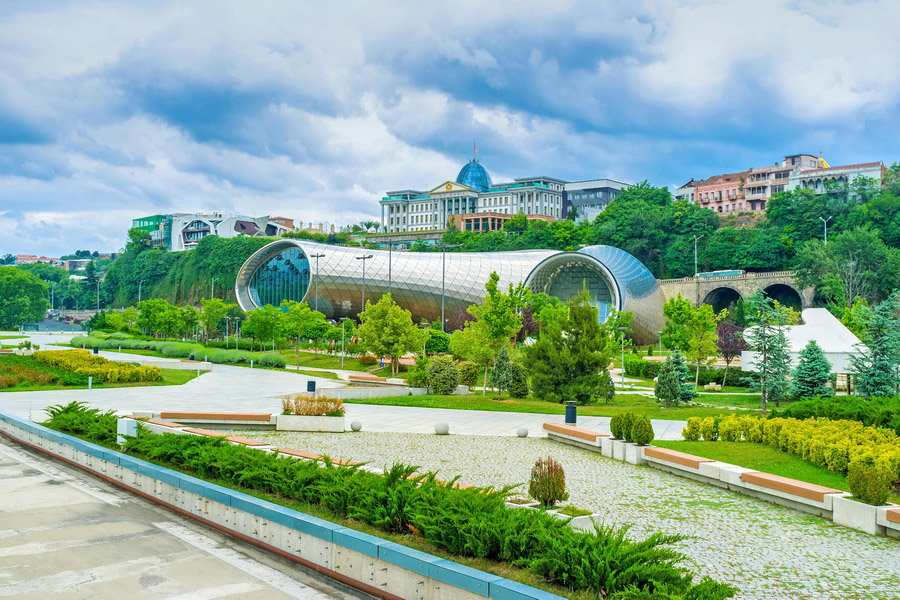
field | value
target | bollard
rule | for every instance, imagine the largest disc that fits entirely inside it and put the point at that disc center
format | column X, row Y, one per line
column 571, row 416
column 90, row 382
column 251, row 363
column 125, row 427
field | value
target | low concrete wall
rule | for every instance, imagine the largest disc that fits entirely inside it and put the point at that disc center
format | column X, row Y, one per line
column 378, row 567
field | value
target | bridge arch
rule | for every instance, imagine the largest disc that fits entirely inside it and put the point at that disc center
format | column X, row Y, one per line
column 785, row 295
column 722, row 297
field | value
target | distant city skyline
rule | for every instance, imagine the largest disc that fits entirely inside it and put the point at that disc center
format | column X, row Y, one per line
column 111, row 111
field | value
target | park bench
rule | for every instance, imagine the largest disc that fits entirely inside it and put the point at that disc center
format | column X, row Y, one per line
column 313, row 456
column 786, row 485
column 256, row 420
column 674, row 456
column 575, row 432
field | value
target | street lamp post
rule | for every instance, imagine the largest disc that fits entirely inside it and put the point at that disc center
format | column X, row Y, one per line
column 696, row 239
column 317, row 256
column 425, row 342
column 343, row 354
column 212, row 288
column 390, row 278
column 364, row 258
column 622, row 330
column 98, row 294
column 825, row 227
column 140, row 285
column 52, row 288
column 227, row 323
column 444, row 276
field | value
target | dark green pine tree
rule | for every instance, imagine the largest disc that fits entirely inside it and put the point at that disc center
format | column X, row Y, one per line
column 877, row 367
column 668, row 383
column 502, row 373
column 679, row 365
column 812, row 374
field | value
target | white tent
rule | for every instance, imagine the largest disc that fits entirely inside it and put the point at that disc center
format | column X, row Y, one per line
column 838, row 342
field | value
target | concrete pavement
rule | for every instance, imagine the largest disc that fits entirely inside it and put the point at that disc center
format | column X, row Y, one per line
column 65, row 534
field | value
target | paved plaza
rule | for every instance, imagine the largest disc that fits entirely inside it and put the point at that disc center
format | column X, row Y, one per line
column 65, row 534
column 770, row 552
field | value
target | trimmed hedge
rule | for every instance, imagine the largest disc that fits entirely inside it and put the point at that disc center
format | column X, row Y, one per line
column 635, row 366
column 184, row 350
column 467, row 522
column 876, row 412
column 83, row 362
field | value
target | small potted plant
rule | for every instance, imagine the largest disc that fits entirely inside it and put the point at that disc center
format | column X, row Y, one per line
column 548, row 483
column 870, row 482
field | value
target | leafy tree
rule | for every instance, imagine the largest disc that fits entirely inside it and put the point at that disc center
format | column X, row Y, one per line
column 877, row 366
column 812, row 374
column 138, row 240
column 437, row 341
column 516, row 224
column 678, row 312
column 856, row 317
column 264, row 324
column 155, row 316
column 190, row 317
column 502, row 373
column 730, row 343
column 388, row 330
column 211, row 315
column 22, row 298
column 767, row 339
column 569, row 361
column 702, row 343
column 300, row 321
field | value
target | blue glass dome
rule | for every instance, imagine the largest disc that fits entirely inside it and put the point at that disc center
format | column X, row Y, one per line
column 475, row 176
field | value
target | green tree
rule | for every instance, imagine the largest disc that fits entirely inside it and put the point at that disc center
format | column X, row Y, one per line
column 211, row 315
column 702, row 343
column 388, row 330
column 877, row 366
column 138, row 240
column 22, row 298
column 502, row 373
column 767, row 339
column 472, row 343
column 668, row 383
column 155, row 316
column 264, row 324
column 570, row 362
column 856, row 317
column 300, row 321
column 190, row 317
column 676, row 333
column 812, row 374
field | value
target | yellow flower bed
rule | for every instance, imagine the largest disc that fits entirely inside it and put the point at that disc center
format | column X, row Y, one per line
column 82, row 361
column 830, row 444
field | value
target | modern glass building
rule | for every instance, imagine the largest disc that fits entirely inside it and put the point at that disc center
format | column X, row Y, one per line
column 340, row 280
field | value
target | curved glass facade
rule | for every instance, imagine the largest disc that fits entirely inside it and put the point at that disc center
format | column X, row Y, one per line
column 474, row 175
column 419, row 280
column 284, row 276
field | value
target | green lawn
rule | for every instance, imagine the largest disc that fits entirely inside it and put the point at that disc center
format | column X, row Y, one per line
column 622, row 403
column 12, row 337
column 322, row 374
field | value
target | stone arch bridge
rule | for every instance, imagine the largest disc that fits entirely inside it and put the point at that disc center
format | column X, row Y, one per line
column 723, row 291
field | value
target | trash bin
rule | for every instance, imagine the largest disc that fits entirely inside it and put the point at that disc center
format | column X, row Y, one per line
column 191, row 357
column 96, row 349
column 311, row 386
column 571, row 416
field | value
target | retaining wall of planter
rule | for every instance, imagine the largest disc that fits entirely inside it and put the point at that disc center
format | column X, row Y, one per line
column 818, row 500
column 378, row 567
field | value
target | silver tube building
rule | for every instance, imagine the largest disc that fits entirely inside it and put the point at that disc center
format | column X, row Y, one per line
column 332, row 278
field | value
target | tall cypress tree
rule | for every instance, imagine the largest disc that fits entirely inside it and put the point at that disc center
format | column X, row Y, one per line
column 679, row 365
column 812, row 373
column 767, row 339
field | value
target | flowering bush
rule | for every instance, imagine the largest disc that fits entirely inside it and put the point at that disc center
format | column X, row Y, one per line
column 81, row 361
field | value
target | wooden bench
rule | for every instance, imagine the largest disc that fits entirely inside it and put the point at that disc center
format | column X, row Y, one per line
column 206, row 432
column 576, row 432
column 366, row 378
column 215, row 416
column 314, row 456
column 245, row 441
column 162, row 422
column 674, row 456
column 810, row 491
column 892, row 515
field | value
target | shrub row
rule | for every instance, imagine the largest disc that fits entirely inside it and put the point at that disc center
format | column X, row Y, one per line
column 81, row 361
column 635, row 366
column 631, row 428
column 877, row 412
column 835, row 445
column 183, row 350
column 466, row 522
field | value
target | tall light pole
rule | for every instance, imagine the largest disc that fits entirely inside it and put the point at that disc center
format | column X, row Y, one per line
column 343, row 354
column 622, row 330
column 98, row 294
column 317, row 256
column 390, row 281
column 52, row 288
column 212, row 288
column 444, row 276
column 425, row 343
column 364, row 258
column 696, row 239
column 140, row 285
column 825, row 227
column 227, row 323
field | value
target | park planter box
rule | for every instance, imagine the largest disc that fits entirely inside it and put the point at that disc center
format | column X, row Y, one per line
column 634, row 454
column 857, row 515
column 522, row 503
column 606, row 447
column 618, row 449
column 582, row 522
column 305, row 423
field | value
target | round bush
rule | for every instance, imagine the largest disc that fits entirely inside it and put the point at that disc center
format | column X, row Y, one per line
column 627, row 423
column 367, row 360
column 443, row 376
column 692, row 431
column 468, row 373
column 642, row 431
column 615, row 427
column 869, row 482
column 271, row 359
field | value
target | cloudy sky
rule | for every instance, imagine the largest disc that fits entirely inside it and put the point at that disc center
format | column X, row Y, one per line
column 311, row 110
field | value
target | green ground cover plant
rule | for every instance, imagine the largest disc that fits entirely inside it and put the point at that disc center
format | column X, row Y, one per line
column 182, row 350
column 322, row 374
column 472, row 522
